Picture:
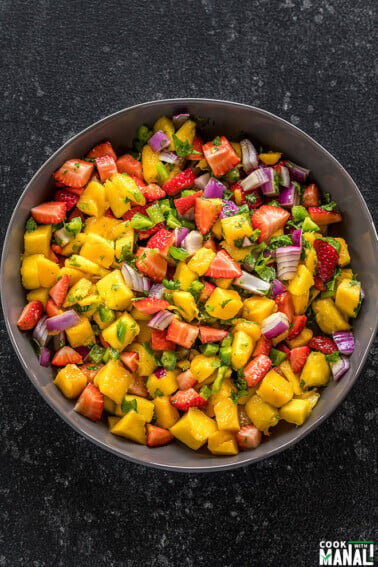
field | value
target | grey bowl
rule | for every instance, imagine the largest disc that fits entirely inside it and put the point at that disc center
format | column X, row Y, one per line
column 229, row 118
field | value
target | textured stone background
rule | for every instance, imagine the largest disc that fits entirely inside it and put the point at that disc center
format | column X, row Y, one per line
column 64, row 502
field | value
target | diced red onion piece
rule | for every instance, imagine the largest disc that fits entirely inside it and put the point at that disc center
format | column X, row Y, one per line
column 83, row 351
column 202, row 181
column 156, row 291
column 179, row 234
column 133, row 279
column 254, row 180
column 63, row 236
column 64, row 321
column 252, row 283
column 160, row 372
column 339, row 368
column 229, row 209
column 179, row 119
column 44, row 357
column 287, row 258
column 277, row 288
column 297, row 237
column 170, row 157
column 344, row 341
column 159, row 141
column 161, row 320
column 289, row 197
column 40, row 332
column 284, row 176
column 59, row 340
column 274, row 325
column 269, row 189
column 297, row 172
column 214, row 189
column 192, row 242
column 250, row 159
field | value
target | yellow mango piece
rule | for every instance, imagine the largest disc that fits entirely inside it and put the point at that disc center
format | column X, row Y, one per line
column 328, row 317
column 103, row 226
column 90, row 304
column 74, row 274
column 238, row 254
column 311, row 260
column 311, row 237
column 113, row 380
column 194, row 428
column 41, row 294
column 257, row 308
column 217, row 229
column 131, row 426
column 120, row 189
column 109, row 406
column 302, row 281
column 166, row 414
column 237, row 148
column 93, row 201
column 291, row 377
column 187, row 132
column 300, row 302
column 74, row 246
column 167, row 385
column 201, row 261
column 224, row 283
column 138, row 315
column 250, row 327
column 78, row 291
column 184, row 275
column 203, row 366
column 144, row 407
column 223, row 304
column 348, row 297
column 270, row 158
column 112, row 420
column 222, row 443
column 186, row 304
column 146, row 362
column 71, row 381
column 85, row 265
column 262, row 414
column 145, row 333
column 124, row 246
column 241, row 350
column 236, row 228
column 114, row 292
column 149, row 161
column 102, row 324
column 346, row 274
column 38, row 241
column 81, row 334
column 344, row 256
column 121, row 332
column 275, row 390
column 296, row 411
column 302, row 339
column 238, row 196
column 122, row 228
column 312, row 396
column 280, row 338
column 98, row 249
column 316, row 371
column 165, row 124
column 226, row 415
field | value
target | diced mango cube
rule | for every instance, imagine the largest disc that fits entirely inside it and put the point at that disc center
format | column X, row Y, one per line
column 78, row 291
column 167, row 385
column 38, row 241
column 302, row 339
column 201, row 260
column 187, row 131
column 41, row 294
column 103, row 226
column 258, row 308
column 120, row 189
column 147, row 362
column 114, row 292
column 113, row 380
column 166, row 413
column 328, row 317
column 203, row 366
column 71, row 381
column 311, row 260
column 242, row 348
column 165, row 124
column 296, row 411
column 194, row 428
column 74, row 245
column 290, row 376
column 73, row 273
column 236, row 228
column 92, row 201
column 98, row 249
column 149, row 161
column 275, row 390
column 222, row 443
column 238, row 254
column 224, row 283
column 186, row 304
column 226, row 415
column 223, row 304
column 81, row 334
column 302, row 281
column 344, row 256
column 131, row 426
column 262, row 414
column 124, row 246
column 316, row 371
column 270, row 158
column 348, row 297
column 144, row 407
column 85, row 265
column 184, row 275
column 300, row 302
column 121, row 332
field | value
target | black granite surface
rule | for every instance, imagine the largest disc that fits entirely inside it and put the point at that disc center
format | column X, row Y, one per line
column 63, row 501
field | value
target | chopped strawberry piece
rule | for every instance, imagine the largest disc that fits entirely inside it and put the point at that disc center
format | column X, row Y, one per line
column 51, row 308
column 285, row 304
column 284, row 348
column 162, row 240
column 319, row 284
column 78, row 190
column 66, row 355
column 207, row 291
column 137, row 209
column 56, row 248
column 90, row 370
column 223, row 266
column 206, row 212
column 143, row 234
column 130, row 360
column 182, row 333
column 139, row 181
column 67, row 197
column 150, row 305
column 157, row 436
column 59, row 291
column 131, row 166
column 138, row 387
column 328, row 258
column 30, row 315
column 53, row 257
column 197, row 147
column 75, row 213
column 159, row 340
column 210, row 243
column 74, row 173
column 186, row 380
column 106, row 167
column 153, row 191
column 268, row 219
column 109, row 213
column 321, row 217
column 183, row 180
column 299, row 324
column 279, row 371
column 220, row 155
column 185, row 399
column 184, row 204
column 211, row 335
column 91, row 403
column 150, row 262
column 263, row 346
column 298, row 357
column 52, row 212
column 323, row 344
column 311, row 196
column 256, row 369
column 104, row 149
column 248, row 437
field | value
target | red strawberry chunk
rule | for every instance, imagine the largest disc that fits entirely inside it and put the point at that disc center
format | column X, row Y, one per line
column 328, row 258
column 90, row 370
column 106, row 167
column 248, row 437
column 51, row 308
column 142, row 234
column 182, row 333
column 153, row 191
column 74, row 173
column 59, row 291
column 319, row 284
column 130, row 360
column 211, row 335
column 131, row 166
column 206, row 212
column 150, row 305
column 311, row 196
column 197, row 147
column 157, row 436
column 299, row 324
column 263, row 346
column 138, row 387
column 183, row 180
column 159, row 340
column 223, row 266
column 284, row 348
column 184, row 204
column 150, row 262
column 285, row 304
column 322, row 217
column 220, row 155
column 190, row 398
column 104, row 149
column 30, row 315
column 137, row 209
column 52, row 212
column 323, row 344
column 207, row 291
column 268, row 219
column 68, row 197
column 76, row 213
column 66, row 355
column 256, row 369
column 161, row 240
column 186, row 380
column 298, row 357
column 90, row 403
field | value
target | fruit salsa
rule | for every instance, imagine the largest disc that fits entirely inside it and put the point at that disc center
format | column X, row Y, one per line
column 189, row 289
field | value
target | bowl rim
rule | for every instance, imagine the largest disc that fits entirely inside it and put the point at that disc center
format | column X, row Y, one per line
column 221, row 466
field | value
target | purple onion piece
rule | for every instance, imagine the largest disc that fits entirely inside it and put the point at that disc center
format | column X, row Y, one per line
column 287, row 258
column 254, row 180
column 297, row 172
column 156, row 291
column 339, row 368
column 271, row 187
column 179, row 119
column 44, row 357
column 40, row 332
column 170, row 157
column 277, row 288
column 83, row 351
column 202, row 181
column 62, row 322
column 284, row 176
column 252, row 283
column 192, row 242
column 250, row 159
column 229, row 209
column 160, row 372
column 297, row 237
column 289, row 197
column 179, row 234
column 159, row 141
column 214, row 189
column 134, row 280
column 161, row 320
column 274, row 325
column 344, row 341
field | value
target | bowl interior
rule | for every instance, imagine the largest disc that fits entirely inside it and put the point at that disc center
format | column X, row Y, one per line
column 218, row 118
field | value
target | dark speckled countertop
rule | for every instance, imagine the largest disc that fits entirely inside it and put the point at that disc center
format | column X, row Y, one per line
column 63, row 501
